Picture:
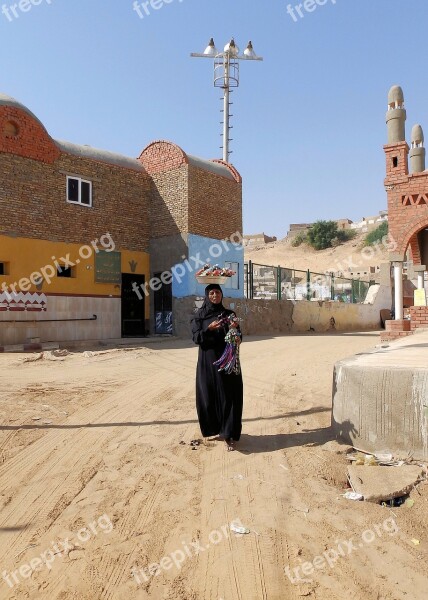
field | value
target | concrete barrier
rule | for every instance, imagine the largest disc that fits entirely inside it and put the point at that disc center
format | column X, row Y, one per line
column 380, row 399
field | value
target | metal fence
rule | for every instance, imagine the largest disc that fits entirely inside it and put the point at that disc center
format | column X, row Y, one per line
column 276, row 283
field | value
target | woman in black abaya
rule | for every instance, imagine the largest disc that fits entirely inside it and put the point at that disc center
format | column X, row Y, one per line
column 219, row 396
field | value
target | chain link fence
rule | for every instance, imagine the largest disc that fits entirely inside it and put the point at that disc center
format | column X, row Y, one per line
column 276, row 283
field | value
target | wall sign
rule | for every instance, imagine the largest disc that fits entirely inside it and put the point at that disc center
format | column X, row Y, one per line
column 420, row 298
column 108, row 267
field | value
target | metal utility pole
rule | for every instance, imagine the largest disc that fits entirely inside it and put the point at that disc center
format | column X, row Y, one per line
column 226, row 76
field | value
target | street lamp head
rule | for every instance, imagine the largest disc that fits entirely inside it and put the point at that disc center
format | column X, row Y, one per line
column 211, row 50
column 231, row 48
column 249, row 51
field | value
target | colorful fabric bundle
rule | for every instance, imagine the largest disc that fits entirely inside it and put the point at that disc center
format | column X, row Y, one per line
column 229, row 360
column 215, row 271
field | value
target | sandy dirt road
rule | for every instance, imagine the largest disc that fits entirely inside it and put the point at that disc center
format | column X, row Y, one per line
column 98, row 483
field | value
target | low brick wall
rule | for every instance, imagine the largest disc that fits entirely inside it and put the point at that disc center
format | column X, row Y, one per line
column 395, row 329
column 419, row 317
column 267, row 317
column 397, row 325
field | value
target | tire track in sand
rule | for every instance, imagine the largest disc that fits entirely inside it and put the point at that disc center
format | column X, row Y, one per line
column 38, row 505
column 60, row 451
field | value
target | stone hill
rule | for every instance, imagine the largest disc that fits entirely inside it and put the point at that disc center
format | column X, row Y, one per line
column 350, row 259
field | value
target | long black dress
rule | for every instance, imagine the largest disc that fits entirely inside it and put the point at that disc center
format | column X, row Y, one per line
column 219, row 397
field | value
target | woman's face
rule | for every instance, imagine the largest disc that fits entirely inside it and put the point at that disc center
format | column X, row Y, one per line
column 215, row 296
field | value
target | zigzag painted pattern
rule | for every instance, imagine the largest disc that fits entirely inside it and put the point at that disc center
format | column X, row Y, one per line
column 22, row 298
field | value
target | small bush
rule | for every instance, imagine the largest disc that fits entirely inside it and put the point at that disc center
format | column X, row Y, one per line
column 376, row 236
column 345, row 235
column 299, row 240
column 321, row 234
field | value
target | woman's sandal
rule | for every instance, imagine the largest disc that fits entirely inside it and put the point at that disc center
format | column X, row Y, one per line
column 230, row 444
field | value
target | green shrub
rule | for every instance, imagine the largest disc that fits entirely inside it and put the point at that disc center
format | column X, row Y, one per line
column 321, row 234
column 325, row 234
column 376, row 236
column 345, row 235
column 299, row 240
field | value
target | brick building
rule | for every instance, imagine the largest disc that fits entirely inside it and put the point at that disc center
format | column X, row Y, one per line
column 407, row 190
column 83, row 232
column 258, row 239
column 195, row 215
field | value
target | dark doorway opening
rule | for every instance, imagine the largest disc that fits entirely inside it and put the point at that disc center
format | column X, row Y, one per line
column 163, row 308
column 423, row 245
column 133, row 305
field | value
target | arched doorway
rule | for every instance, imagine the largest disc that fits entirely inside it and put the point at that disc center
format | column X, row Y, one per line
column 416, row 255
column 422, row 238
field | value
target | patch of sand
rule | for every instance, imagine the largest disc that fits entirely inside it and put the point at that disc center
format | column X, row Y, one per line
column 94, row 440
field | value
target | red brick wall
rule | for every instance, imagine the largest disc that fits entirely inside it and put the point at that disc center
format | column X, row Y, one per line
column 188, row 199
column 161, row 156
column 32, row 139
column 33, row 201
column 231, row 168
column 169, row 203
column 215, row 204
column 33, row 175
column 407, row 200
column 415, row 253
column 419, row 317
column 167, row 164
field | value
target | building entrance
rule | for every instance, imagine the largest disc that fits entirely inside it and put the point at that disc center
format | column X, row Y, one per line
column 133, row 306
column 423, row 245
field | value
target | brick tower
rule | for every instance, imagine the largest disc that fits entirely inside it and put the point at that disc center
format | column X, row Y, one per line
column 407, row 206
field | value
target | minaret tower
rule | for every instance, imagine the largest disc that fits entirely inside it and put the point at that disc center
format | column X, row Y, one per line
column 417, row 152
column 396, row 149
column 396, row 116
column 397, row 169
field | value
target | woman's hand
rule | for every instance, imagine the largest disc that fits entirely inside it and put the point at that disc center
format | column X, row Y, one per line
column 214, row 326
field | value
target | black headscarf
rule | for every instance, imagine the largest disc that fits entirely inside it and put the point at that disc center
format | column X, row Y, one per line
column 207, row 311
column 208, row 308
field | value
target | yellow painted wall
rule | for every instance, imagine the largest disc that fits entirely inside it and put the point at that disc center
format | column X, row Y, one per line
column 26, row 256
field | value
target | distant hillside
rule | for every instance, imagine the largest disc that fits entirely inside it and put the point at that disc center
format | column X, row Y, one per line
column 351, row 258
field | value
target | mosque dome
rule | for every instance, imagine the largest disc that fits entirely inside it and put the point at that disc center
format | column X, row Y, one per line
column 395, row 95
column 417, row 134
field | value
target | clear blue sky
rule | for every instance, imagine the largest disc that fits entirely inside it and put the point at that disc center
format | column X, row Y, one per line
column 309, row 121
